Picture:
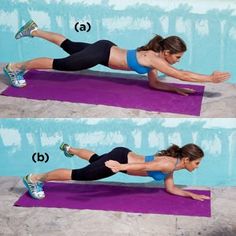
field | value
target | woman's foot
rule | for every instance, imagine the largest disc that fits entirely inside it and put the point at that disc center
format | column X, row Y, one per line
column 26, row 30
column 15, row 77
column 65, row 148
column 35, row 189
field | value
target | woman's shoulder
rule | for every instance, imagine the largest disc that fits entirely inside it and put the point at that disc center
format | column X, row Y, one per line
column 166, row 164
column 148, row 53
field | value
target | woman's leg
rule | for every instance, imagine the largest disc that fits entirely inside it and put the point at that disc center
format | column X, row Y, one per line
column 57, row 175
column 15, row 71
column 47, row 63
column 97, row 53
column 79, row 60
column 30, row 29
column 94, row 171
column 38, row 63
column 60, row 40
column 49, row 36
column 34, row 182
column 82, row 153
column 92, row 55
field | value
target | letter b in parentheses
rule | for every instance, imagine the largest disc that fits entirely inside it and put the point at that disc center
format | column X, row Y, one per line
column 38, row 157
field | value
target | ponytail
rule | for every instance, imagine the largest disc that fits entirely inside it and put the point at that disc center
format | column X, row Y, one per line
column 153, row 44
column 173, row 44
column 192, row 151
column 172, row 151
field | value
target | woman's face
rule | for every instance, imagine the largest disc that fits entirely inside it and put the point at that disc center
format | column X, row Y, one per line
column 191, row 165
column 173, row 58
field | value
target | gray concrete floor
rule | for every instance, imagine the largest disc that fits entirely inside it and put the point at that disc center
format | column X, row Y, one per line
column 218, row 101
column 17, row 221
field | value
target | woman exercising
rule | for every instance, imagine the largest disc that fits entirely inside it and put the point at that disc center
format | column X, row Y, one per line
column 160, row 166
column 158, row 55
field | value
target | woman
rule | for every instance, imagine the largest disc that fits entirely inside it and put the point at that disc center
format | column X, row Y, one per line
column 158, row 55
column 160, row 167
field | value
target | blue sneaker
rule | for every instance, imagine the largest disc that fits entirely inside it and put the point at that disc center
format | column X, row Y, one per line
column 16, row 78
column 35, row 189
column 26, row 30
column 65, row 148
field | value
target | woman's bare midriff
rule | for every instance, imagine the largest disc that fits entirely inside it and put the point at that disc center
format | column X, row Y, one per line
column 117, row 59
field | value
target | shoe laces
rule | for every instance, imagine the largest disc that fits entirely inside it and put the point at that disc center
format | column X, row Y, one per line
column 19, row 75
column 39, row 186
column 33, row 187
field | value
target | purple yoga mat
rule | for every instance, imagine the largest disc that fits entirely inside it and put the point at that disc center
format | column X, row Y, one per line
column 109, row 91
column 117, row 198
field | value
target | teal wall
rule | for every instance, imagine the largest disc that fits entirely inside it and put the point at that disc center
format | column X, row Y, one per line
column 207, row 26
column 20, row 138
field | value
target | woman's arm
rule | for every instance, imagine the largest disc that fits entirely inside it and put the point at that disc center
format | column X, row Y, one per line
column 171, row 188
column 115, row 166
column 156, row 84
column 164, row 67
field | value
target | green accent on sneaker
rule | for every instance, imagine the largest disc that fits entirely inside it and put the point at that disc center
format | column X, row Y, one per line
column 64, row 147
column 15, row 78
column 26, row 30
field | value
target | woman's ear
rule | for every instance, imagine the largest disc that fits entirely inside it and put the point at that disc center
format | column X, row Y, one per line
column 185, row 160
column 166, row 52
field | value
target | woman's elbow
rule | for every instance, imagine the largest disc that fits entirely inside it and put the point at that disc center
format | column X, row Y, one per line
column 152, row 84
column 170, row 190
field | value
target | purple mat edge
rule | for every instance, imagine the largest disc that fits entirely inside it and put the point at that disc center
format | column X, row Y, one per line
column 202, row 191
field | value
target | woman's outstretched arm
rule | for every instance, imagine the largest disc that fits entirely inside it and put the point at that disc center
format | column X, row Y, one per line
column 171, row 188
column 164, row 67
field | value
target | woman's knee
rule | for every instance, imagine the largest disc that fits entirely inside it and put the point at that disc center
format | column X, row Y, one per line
column 65, row 64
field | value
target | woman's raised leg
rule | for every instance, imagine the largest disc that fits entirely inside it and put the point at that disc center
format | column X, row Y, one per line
column 49, row 36
column 82, row 153
column 30, row 29
column 79, row 152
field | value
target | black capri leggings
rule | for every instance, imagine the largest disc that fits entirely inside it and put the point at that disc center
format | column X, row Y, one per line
column 83, row 55
column 97, row 169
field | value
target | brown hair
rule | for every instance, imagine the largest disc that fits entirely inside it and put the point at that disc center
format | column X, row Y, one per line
column 172, row 43
column 192, row 151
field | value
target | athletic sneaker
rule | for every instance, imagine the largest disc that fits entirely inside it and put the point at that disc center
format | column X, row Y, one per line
column 15, row 77
column 26, row 30
column 35, row 189
column 65, row 148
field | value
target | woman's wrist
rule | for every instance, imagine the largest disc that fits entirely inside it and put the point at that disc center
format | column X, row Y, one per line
column 192, row 195
column 210, row 78
column 123, row 167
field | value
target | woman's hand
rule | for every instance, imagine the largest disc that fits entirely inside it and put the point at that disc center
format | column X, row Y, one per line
column 218, row 77
column 156, row 84
column 115, row 166
column 199, row 197
column 184, row 91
